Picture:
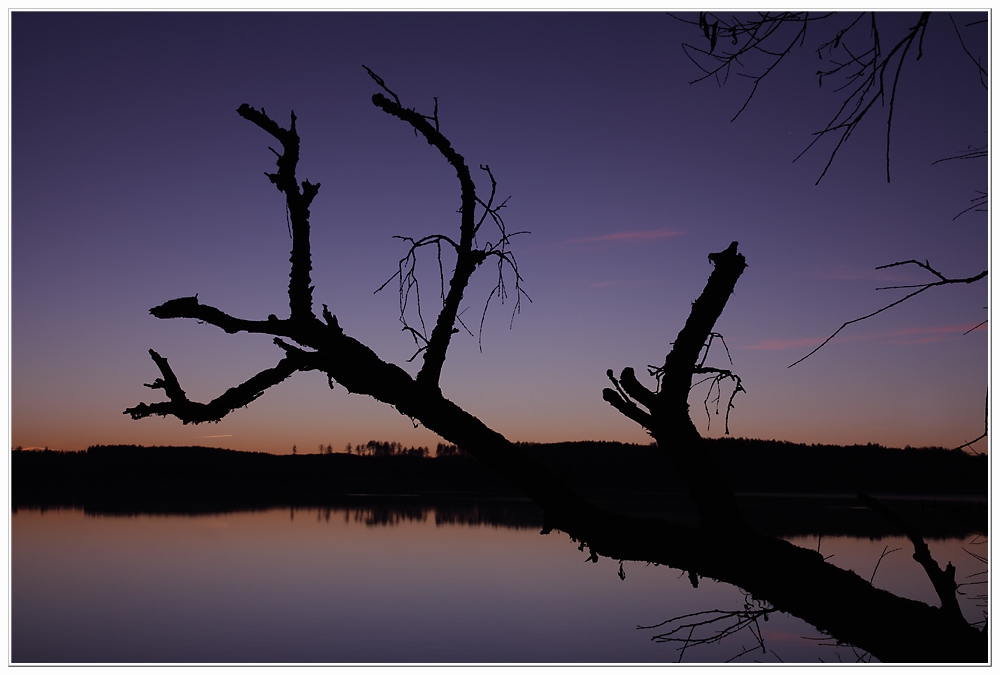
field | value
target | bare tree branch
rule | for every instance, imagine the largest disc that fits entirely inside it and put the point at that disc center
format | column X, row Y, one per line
column 716, row 378
column 748, row 38
column 192, row 412
column 942, row 281
column 297, row 204
column 626, row 406
column 981, row 201
column 763, row 36
column 983, row 74
column 190, row 308
column 668, row 419
column 468, row 259
column 986, row 426
column 500, row 251
column 870, row 74
column 885, row 552
column 971, row 153
column 732, row 622
column 681, row 363
column 942, row 580
column 468, row 256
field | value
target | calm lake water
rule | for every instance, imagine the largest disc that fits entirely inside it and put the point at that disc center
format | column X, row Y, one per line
column 355, row 586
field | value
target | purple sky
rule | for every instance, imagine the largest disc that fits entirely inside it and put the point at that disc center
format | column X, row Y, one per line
column 134, row 181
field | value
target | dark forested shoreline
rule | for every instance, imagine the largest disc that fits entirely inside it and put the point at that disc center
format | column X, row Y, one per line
column 943, row 484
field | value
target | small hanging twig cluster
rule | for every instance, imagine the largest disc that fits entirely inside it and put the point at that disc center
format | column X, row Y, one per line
column 716, row 377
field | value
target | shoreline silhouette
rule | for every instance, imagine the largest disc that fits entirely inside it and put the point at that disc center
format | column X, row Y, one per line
column 787, row 488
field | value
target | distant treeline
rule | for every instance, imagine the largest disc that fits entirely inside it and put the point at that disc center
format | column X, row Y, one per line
column 946, row 489
column 186, row 479
column 393, row 449
column 752, row 466
column 194, row 475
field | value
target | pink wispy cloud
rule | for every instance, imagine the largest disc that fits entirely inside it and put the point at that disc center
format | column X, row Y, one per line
column 628, row 236
column 914, row 335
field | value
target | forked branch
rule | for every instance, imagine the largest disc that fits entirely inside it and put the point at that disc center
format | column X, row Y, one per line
column 297, row 202
column 668, row 418
column 942, row 580
column 192, row 412
column 715, row 626
column 941, row 281
column 468, row 256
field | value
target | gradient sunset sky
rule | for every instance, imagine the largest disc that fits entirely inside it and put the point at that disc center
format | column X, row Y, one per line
column 134, row 181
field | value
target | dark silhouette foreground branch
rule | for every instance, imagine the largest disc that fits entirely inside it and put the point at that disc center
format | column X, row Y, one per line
column 723, row 547
column 942, row 580
column 192, row 412
column 469, row 256
column 865, row 67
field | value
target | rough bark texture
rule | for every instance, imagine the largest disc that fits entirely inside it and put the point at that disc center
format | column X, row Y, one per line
column 724, row 548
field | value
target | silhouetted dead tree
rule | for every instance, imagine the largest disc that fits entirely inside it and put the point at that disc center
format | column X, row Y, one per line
column 723, row 547
column 753, row 45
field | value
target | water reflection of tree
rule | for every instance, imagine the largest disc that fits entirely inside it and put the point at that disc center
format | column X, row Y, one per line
column 723, row 547
column 714, row 626
column 494, row 513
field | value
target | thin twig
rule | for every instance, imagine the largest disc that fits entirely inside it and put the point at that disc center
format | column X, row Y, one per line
column 942, row 281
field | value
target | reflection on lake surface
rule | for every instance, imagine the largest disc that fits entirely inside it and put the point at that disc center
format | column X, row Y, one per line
column 388, row 585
